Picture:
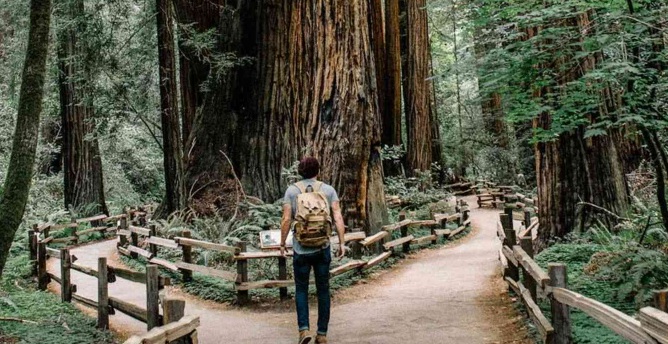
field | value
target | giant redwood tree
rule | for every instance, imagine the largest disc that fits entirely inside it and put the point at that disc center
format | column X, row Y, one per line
column 417, row 87
column 309, row 87
column 317, row 91
column 24, row 147
column 82, row 163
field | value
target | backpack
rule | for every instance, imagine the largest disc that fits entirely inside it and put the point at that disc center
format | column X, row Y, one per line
column 313, row 221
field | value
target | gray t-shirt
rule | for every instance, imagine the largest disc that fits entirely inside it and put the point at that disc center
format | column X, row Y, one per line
column 291, row 198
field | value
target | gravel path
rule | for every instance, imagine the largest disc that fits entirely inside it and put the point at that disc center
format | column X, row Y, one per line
column 452, row 294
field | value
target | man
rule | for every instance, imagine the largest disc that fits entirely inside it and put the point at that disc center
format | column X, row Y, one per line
column 308, row 209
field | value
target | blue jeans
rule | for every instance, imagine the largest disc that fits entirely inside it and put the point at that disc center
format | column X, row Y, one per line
column 302, row 263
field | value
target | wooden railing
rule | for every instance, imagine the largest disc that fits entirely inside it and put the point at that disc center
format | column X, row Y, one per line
column 181, row 331
column 516, row 256
column 132, row 237
column 105, row 305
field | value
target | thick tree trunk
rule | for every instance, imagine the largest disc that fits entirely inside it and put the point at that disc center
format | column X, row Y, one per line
column 311, row 90
column 171, row 124
column 24, row 147
column 317, row 91
column 417, row 88
column 218, row 93
column 82, row 162
column 573, row 169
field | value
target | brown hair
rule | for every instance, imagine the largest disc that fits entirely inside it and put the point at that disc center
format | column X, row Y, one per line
column 308, row 168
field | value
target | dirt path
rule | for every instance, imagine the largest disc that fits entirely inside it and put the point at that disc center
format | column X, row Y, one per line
column 446, row 295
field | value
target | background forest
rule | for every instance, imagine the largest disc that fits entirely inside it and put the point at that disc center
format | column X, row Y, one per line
column 201, row 109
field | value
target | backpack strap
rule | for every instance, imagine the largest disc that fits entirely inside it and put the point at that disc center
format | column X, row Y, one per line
column 317, row 186
column 301, row 186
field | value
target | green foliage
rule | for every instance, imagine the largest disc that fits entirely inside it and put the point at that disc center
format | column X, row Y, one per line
column 577, row 256
column 57, row 322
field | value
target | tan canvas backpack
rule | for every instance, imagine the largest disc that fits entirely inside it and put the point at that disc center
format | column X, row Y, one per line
column 313, row 220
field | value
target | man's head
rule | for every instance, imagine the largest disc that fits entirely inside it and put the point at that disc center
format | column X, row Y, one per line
column 308, row 168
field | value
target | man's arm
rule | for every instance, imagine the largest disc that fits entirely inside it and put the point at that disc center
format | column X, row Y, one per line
column 285, row 224
column 340, row 227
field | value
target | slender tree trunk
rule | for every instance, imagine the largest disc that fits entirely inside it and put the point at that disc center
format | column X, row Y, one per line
column 82, row 162
column 392, row 112
column 458, row 87
column 377, row 31
column 417, row 88
column 171, row 125
column 24, row 147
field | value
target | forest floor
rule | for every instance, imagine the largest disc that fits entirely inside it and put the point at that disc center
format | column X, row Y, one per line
column 452, row 294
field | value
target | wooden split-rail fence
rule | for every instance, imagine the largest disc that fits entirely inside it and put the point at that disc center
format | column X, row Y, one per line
column 131, row 238
column 530, row 283
column 164, row 327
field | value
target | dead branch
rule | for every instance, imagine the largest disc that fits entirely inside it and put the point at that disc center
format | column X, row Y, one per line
column 18, row 320
column 606, row 211
column 234, row 173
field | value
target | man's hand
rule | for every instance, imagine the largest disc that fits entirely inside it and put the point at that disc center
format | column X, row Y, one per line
column 342, row 251
column 282, row 250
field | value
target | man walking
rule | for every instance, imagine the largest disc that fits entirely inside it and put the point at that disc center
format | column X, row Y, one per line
column 309, row 207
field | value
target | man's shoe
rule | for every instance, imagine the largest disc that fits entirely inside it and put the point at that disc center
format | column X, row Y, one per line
column 321, row 339
column 304, row 338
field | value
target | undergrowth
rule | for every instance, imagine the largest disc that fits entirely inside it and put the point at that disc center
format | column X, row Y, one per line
column 50, row 321
column 577, row 257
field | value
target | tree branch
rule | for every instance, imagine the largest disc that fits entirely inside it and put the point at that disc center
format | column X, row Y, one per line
column 603, row 210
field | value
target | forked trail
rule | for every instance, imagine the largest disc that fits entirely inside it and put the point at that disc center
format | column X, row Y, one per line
column 452, row 294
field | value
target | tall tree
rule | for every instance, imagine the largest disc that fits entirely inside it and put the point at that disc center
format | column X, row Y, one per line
column 575, row 168
column 308, row 89
column 392, row 112
column 377, row 31
column 24, row 148
column 417, row 88
column 170, row 119
column 82, row 162
column 317, row 88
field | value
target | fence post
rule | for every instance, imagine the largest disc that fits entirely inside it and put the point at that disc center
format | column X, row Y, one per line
column 561, row 315
column 355, row 246
column 527, row 245
column 74, row 231
column 124, row 226
column 187, row 257
column 42, row 275
column 173, row 310
column 134, row 241
column 527, row 218
column 506, row 222
column 65, row 286
column 508, row 211
column 153, row 248
column 32, row 246
column 283, row 275
column 45, row 232
column 102, row 294
column 511, row 240
column 661, row 299
column 242, row 272
column 152, row 296
column 406, row 247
